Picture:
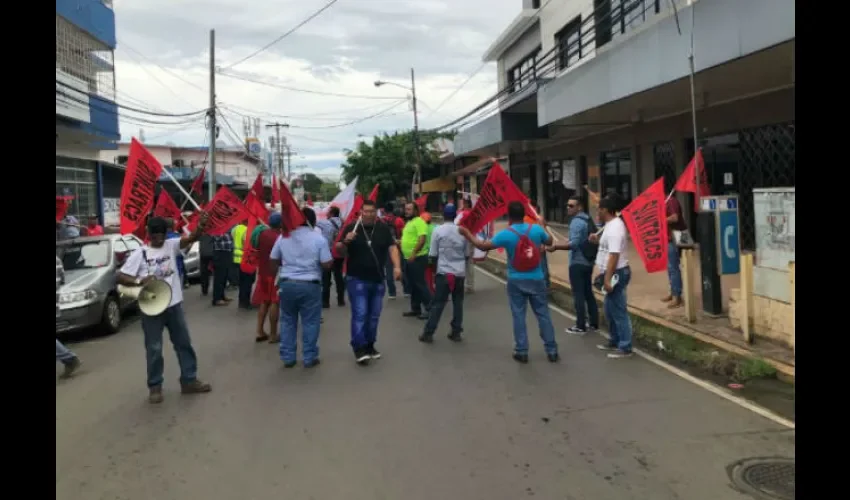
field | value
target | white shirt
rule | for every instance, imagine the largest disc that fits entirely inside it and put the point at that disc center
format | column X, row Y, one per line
column 613, row 240
column 161, row 263
column 450, row 248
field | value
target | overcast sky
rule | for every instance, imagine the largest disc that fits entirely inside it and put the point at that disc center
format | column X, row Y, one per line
column 162, row 63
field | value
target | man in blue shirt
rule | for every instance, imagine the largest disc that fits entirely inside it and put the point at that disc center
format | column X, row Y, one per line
column 306, row 253
column 524, row 287
column 330, row 229
column 581, row 269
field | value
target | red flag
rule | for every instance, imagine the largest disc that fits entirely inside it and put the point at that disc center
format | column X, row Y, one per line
column 687, row 181
column 353, row 214
column 198, row 184
column 275, row 192
column 165, row 207
column 254, row 201
column 493, row 199
column 420, row 202
column 257, row 188
column 374, row 195
column 62, row 204
column 309, row 200
column 249, row 254
column 226, row 210
column 140, row 178
column 141, row 232
column 290, row 213
column 646, row 218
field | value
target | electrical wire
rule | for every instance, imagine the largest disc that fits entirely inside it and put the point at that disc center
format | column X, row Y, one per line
column 142, row 111
column 379, row 114
column 157, row 80
column 313, row 116
column 281, row 37
column 90, row 105
column 235, row 136
column 455, row 91
column 166, row 70
column 294, row 89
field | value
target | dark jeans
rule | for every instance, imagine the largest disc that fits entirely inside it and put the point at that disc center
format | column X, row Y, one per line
column 388, row 272
column 420, row 295
column 442, row 292
column 617, row 313
column 367, row 301
column 405, row 277
column 178, row 331
column 205, row 274
column 336, row 273
column 521, row 294
column 233, row 273
column 221, row 267
column 581, row 281
column 246, row 282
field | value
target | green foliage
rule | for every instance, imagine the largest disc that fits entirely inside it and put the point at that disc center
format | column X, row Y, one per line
column 389, row 161
column 312, row 183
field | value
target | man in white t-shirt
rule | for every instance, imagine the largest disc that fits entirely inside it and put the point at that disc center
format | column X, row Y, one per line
column 158, row 260
column 615, row 274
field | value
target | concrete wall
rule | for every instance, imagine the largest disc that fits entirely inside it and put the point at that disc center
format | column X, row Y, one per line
column 528, row 43
column 772, row 319
column 655, row 53
column 559, row 13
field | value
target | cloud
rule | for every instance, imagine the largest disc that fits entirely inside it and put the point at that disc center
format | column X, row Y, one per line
column 162, row 63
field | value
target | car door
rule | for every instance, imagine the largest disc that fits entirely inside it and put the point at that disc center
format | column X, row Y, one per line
column 119, row 247
column 132, row 244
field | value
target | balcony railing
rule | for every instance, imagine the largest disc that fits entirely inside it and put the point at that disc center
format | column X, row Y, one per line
column 80, row 55
column 606, row 24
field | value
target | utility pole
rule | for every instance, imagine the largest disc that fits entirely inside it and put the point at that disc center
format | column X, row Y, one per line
column 213, row 126
column 277, row 144
column 289, row 154
column 416, row 132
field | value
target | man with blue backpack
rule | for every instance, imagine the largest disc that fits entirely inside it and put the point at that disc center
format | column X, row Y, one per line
column 582, row 257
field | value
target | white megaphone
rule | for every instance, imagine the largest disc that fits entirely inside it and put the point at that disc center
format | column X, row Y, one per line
column 153, row 297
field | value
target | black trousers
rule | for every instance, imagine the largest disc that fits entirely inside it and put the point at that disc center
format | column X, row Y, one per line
column 222, row 263
column 420, row 294
column 246, row 282
column 336, row 273
column 205, row 274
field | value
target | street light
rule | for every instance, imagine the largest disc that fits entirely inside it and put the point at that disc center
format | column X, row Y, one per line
column 412, row 90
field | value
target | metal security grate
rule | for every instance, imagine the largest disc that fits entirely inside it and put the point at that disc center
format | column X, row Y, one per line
column 82, row 56
column 664, row 154
column 768, row 160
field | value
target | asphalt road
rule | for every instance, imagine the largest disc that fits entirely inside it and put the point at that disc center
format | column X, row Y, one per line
column 426, row 422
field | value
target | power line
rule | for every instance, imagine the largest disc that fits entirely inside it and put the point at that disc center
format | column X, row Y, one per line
column 313, row 116
column 142, row 111
column 89, row 105
column 281, row 37
column 284, row 87
column 455, row 91
column 381, row 113
column 156, row 79
column 175, row 75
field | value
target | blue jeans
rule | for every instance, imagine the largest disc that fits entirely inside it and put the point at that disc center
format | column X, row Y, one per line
column 619, row 322
column 674, row 270
column 63, row 354
column 388, row 272
column 304, row 299
column 441, row 296
column 581, row 281
column 367, row 301
column 520, row 294
column 153, row 327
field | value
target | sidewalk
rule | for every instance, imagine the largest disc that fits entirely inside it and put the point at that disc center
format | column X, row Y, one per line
column 644, row 297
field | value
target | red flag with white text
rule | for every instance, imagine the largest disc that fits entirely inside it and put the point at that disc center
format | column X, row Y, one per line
column 493, row 199
column 140, row 177
column 646, row 219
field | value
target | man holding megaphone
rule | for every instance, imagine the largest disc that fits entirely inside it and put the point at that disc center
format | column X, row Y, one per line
column 151, row 274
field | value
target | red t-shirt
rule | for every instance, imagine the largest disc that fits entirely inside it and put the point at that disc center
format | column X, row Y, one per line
column 96, row 230
column 674, row 207
column 264, row 251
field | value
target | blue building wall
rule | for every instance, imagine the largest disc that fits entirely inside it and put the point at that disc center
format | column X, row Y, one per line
column 92, row 16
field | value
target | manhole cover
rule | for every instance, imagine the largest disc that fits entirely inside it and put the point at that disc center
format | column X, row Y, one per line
column 764, row 478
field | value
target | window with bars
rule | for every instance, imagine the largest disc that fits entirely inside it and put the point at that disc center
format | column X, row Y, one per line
column 523, row 74
column 568, row 41
column 82, row 56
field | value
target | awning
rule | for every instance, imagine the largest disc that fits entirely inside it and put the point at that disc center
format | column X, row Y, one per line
column 475, row 167
column 440, row 185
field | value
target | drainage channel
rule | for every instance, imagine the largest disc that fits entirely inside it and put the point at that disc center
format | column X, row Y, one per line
column 764, row 478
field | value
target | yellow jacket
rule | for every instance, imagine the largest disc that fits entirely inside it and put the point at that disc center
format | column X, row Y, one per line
column 238, row 233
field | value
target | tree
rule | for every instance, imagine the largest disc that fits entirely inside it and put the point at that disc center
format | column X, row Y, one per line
column 389, row 161
column 328, row 190
column 312, row 183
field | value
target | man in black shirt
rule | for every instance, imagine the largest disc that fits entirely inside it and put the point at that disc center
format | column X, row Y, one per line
column 367, row 245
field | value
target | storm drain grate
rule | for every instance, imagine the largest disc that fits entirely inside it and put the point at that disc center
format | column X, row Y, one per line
column 764, row 478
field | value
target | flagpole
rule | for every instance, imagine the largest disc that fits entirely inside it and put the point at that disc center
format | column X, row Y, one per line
column 168, row 174
column 697, row 179
column 192, row 188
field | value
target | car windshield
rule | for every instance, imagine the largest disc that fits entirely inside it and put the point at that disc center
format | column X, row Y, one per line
column 84, row 255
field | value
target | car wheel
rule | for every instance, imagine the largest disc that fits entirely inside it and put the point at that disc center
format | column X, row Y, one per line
column 111, row 321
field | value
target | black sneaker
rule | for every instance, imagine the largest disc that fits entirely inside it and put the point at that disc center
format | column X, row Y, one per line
column 606, row 347
column 314, row 363
column 455, row 337
column 362, row 357
column 373, row 353
column 520, row 358
column 553, row 358
column 426, row 338
column 289, row 364
column 411, row 314
column 340, row 302
column 576, row 330
column 618, row 354
column 326, row 305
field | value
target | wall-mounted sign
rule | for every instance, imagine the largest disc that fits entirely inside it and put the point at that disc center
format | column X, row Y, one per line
column 72, row 98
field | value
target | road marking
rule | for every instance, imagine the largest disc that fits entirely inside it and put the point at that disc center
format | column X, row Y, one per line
column 712, row 388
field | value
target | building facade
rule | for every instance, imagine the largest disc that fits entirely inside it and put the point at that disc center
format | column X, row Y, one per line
column 597, row 93
column 86, row 109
